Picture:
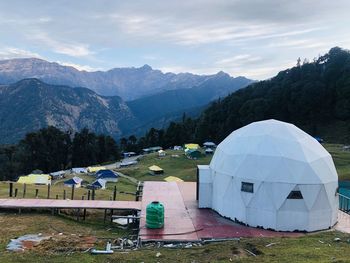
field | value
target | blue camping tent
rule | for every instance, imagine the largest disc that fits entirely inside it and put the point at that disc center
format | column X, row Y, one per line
column 107, row 175
column 98, row 184
column 76, row 181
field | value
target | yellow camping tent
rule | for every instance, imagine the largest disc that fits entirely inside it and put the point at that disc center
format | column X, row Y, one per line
column 35, row 179
column 173, row 179
column 94, row 169
column 192, row 146
column 154, row 169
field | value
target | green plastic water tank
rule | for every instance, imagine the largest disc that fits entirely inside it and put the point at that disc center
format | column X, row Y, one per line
column 155, row 215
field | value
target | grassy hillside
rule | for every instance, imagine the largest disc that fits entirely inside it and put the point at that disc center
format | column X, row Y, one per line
column 179, row 166
column 186, row 169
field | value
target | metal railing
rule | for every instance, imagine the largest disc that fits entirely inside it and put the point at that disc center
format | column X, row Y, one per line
column 344, row 203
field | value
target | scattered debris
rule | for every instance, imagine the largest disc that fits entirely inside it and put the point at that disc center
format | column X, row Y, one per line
column 121, row 221
column 220, row 240
column 124, row 243
column 252, row 249
column 107, row 251
column 26, row 242
column 172, row 245
column 271, row 244
column 321, row 241
column 158, row 254
column 188, row 245
column 250, row 252
column 337, row 239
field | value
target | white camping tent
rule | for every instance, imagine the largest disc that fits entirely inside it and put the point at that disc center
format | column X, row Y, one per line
column 273, row 175
column 79, row 170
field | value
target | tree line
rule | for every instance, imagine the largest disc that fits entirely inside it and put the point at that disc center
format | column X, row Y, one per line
column 51, row 149
column 315, row 96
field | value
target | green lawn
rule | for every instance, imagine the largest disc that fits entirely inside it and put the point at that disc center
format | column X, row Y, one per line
column 180, row 166
column 341, row 159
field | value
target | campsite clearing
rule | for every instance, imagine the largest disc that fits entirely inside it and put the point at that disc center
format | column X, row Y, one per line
column 316, row 247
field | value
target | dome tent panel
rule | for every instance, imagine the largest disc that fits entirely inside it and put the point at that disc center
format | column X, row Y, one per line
column 317, row 219
column 322, row 201
column 297, row 220
column 310, row 193
column 219, row 187
column 262, row 199
column 280, row 193
column 331, row 190
column 261, row 218
column 323, row 167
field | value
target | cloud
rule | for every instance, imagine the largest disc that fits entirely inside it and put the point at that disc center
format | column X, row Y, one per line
column 78, row 66
column 63, row 47
column 12, row 52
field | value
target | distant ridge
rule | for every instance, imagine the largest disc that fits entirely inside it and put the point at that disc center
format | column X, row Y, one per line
column 128, row 83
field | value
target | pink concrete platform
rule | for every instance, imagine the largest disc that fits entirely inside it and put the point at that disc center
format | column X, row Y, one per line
column 343, row 224
column 74, row 204
column 184, row 221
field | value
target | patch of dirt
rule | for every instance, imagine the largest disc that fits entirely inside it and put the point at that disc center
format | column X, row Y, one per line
column 27, row 244
column 61, row 243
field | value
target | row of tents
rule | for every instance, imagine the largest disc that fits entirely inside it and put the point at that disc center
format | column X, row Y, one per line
column 102, row 177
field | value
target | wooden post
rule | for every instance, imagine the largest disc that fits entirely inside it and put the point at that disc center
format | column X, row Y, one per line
column 16, row 191
column 72, row 196
column 48, row 191
column 105, row 217
column 36, row 193
column 137, row 195
column 64, row 194
column 11, row 189
column 115, row 193
column 88, row 197
column 56, row 196
column 78, row 213
column 93, row 194
column 24, row 190
column 84, row 211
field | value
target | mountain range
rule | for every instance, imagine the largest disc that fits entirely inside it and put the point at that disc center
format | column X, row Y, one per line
column 128, row 83
column 32, row 103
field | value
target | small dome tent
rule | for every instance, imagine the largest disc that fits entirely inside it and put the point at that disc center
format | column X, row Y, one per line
column 273, row 175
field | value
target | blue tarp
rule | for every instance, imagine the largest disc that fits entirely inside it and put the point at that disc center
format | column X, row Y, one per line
column 106, row 174
column 70, row 181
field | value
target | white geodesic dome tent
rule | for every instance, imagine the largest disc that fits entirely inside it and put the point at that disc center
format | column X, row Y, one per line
column 273, row 175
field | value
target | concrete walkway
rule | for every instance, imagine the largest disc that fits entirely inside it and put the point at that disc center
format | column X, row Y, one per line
column 343, row 224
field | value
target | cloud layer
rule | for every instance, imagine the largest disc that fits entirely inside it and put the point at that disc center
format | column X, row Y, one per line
column 255, row 38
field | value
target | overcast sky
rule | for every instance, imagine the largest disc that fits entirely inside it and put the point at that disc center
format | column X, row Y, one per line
column 253, row 38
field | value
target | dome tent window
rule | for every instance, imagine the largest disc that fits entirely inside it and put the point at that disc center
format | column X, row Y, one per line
column 247, row 187
column 295, row 195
